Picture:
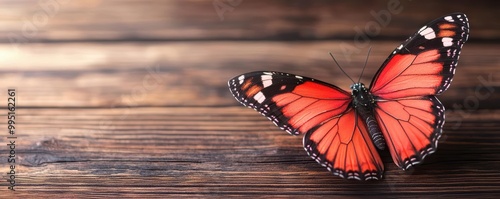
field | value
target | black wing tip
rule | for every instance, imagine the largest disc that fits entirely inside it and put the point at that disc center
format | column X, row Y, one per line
column 263, row 108
column 233, row 88
column 451, row 54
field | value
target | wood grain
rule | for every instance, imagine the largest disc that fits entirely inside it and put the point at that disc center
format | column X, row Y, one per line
column 150, row 20
column 187, row 74
column 129, row 99
column 194, row 151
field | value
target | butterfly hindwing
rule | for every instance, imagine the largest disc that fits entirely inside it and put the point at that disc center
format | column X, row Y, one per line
column 411, row 128
column 346, row 149
column 409, row 115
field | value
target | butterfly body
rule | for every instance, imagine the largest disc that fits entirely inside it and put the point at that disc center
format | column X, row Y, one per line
column 398, row 111
column 364, row 103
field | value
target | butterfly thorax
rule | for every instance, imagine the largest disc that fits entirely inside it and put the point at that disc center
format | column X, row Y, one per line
column 361, row 96
column 364, row 104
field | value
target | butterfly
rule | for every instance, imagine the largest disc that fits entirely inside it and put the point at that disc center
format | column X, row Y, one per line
column 399, row 110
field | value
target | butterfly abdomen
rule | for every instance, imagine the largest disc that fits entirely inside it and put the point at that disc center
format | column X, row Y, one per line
column 363, row 103
column 374, row 131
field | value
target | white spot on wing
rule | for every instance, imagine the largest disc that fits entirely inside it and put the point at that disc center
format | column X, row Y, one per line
column 266, row 77
column 298, row 77
column 267, row 80
column 449, row 19
column 447, row 41
column 241, row 78
column 267, row 83
column 400, row 47
column 259, row 97
column 428, row 33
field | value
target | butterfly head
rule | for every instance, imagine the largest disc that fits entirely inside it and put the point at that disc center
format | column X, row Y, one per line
column 358, row 88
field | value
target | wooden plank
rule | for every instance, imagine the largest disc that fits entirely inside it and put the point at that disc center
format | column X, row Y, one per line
column 188, row 74
column 25, row 21
column 129, row 98
column 224, row 151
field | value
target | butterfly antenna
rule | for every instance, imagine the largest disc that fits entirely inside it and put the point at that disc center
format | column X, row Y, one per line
column 341, row 68
column 366, row 61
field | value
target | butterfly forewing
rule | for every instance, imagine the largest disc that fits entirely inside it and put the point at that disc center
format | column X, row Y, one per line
column 294, row 103
column 425, row 63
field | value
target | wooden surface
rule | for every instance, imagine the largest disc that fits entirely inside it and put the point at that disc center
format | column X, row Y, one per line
column 130, row 99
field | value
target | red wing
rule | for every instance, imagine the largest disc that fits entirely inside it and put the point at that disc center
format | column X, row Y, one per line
column 409, row 115
column 294, row 103
column 343, row 145
column 411, row 128
column 425, row 63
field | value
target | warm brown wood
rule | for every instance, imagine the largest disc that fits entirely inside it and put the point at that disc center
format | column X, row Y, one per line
column 194, row 151
column 152, row 20
column 95, row 119
column 188, row 74
column 197, row 140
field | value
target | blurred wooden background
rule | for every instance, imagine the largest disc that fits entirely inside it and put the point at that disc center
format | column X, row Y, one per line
column 129, row 98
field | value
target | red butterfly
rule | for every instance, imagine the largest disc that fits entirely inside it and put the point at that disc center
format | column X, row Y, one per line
column 399, row 109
